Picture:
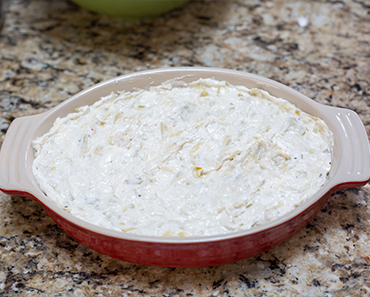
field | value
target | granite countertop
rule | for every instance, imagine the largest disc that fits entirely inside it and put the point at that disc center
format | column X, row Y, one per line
column 50, row 50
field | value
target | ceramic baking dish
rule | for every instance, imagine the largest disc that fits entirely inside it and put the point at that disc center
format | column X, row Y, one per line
column 350, row 168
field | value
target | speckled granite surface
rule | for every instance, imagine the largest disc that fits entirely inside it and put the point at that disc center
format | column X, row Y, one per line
column 50, row 50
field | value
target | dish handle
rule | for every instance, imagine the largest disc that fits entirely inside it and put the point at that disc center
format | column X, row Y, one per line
column 16, row 159
column 354, row 155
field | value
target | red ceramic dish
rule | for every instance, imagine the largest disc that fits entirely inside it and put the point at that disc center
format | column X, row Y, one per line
column 350, row 168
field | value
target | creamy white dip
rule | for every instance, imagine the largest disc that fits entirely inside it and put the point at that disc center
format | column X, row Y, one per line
column 181, row 160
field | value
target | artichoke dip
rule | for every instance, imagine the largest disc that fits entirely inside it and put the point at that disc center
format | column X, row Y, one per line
column 190, row 159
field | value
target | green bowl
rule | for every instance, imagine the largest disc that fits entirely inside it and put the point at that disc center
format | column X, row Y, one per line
column 131, row 9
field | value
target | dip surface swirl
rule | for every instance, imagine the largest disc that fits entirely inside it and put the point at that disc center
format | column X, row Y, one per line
column 201, row 158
